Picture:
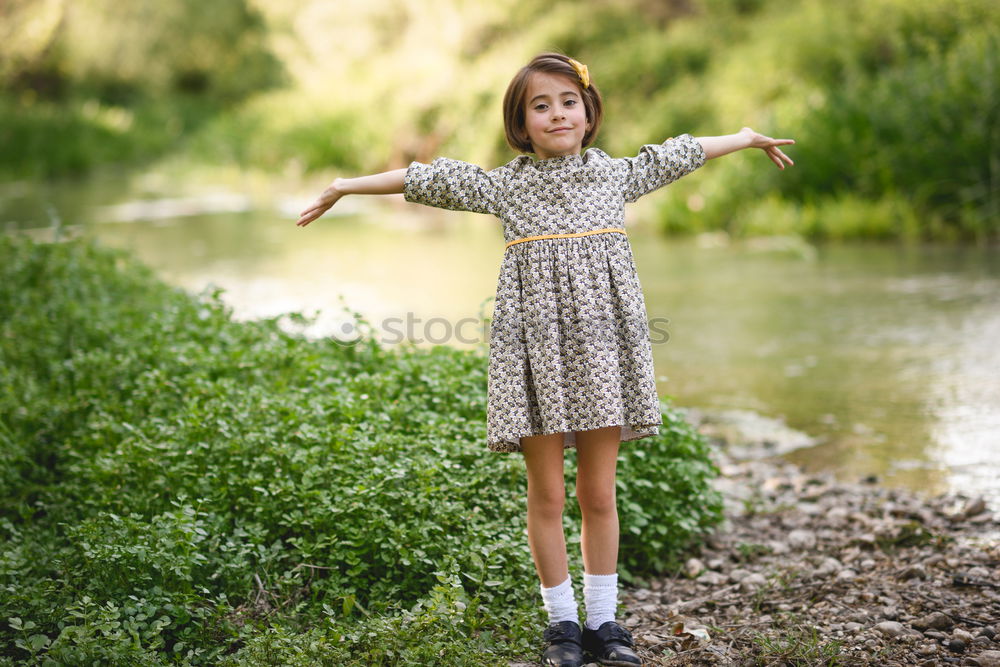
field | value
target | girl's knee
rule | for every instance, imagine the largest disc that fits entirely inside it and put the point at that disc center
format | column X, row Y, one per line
column 597, row 504
column 547, row 502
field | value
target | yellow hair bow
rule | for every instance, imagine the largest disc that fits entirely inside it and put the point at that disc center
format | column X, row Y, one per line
column 581, row 71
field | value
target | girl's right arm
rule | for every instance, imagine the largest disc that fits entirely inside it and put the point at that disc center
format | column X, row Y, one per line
column 386, row 183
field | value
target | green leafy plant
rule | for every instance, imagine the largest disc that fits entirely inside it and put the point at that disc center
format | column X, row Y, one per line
column 183, row 487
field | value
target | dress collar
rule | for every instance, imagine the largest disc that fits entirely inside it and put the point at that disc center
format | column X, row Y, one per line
column 557, row 162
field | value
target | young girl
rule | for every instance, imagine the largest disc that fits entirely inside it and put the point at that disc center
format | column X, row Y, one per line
column 570, row 361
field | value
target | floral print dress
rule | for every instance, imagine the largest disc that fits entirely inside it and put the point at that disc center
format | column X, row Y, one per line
column 569, row 346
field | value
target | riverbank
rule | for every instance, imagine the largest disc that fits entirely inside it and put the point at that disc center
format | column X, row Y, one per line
column 806, row 570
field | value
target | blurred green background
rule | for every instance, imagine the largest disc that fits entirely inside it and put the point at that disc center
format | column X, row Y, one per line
column 893, row 103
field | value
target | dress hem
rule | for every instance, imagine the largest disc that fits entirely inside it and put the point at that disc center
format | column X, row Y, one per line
column 629, row 433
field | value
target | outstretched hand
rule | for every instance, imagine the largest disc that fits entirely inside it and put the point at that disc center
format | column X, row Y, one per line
column 769, row 146
column 322, row 204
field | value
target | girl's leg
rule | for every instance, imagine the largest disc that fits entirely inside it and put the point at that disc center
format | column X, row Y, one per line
column 543, row 458
column 597, row 462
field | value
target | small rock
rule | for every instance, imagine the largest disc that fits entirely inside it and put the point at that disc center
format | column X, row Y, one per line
column 852, row 626
column 712, row 578
column 891, row 628
column 715, row 563
column 837, row 515
column 933, row 621
column 846, row 575
column 983, row 641
column 963, row 635
column 978, row 572
column 988, row 631
column 915, row 571
column 828, row 567
column 753, row 582
column 641, row 594
column 738, row 575
column 693, row 567
column 802, row 539
column 986, row 659
column 925, row 650
column 955, row 645
column 933, row 560
column 934, row 634
column 974, row 507
column 778, row 548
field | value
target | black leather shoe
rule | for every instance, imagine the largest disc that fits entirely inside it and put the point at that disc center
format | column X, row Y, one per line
column 611, row 644
column 564, row 645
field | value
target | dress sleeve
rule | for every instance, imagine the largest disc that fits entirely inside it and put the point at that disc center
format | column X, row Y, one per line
column 659, row 164
column 454, row 185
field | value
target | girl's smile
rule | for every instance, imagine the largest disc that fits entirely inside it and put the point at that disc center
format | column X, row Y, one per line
column 555, row 117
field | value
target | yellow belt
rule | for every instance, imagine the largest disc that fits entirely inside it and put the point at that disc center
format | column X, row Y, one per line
column 563, row 236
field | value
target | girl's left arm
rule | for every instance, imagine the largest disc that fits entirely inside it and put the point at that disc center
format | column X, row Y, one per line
column 746, row 138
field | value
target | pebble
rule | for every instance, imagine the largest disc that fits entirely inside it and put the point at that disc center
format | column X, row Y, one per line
column 890, row 628
column 828, row 567
column 753, row 582
column 974, row 507
column 846, row 575
column 693, row 567
column 965, row 636
column 933, row 621
column 915, row 571
column 778, row 548
column 802, row 539
column 955, row 645
column 738, row 575
column 837, row 515
column 985, row 659
column 712, row 578
column 926, row 649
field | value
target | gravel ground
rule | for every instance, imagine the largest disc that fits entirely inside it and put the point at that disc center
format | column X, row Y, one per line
column 806, row 571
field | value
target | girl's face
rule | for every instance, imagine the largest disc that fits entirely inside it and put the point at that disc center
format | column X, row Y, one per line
column 554, row 115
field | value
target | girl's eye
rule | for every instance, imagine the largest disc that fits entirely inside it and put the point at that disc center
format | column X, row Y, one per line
column 540, row 107
column 571, row 102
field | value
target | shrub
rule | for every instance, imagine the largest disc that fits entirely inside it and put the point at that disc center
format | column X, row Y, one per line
column 182, row 486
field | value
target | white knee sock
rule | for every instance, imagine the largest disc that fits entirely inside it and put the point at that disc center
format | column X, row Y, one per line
column 600, row 596
column 560, row 603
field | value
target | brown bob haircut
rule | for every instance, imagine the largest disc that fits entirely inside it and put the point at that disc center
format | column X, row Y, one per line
column 513, row 99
